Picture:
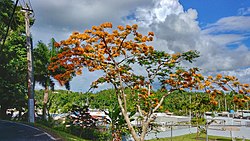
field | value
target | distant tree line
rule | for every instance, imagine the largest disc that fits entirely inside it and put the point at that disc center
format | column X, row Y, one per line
column 179, row 103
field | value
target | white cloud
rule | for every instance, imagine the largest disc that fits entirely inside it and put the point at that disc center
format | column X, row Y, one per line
column 54, row 17
column 244, row 11
column 179, row 31
column 228, row 24
column 159, row 12
column 228, row 39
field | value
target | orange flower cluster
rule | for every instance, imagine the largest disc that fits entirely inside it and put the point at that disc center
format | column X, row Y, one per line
column 182, row 80
column 226, row 83
column 98, row 49
column 106, row 25
column 147, row 98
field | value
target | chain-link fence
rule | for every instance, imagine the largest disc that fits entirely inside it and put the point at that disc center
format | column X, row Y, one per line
column 230, row 131
column 221, row 127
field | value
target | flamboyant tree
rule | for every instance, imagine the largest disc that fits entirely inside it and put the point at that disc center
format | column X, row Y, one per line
column 128, row 62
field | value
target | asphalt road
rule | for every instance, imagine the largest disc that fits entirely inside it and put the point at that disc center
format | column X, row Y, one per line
column 10, row 131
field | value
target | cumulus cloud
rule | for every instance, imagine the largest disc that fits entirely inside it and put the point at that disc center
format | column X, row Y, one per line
column 59, row 18
column 162, row 8
column 178, row 30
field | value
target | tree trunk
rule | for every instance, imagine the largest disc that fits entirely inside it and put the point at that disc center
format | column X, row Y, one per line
column 3, row 110
column 19, row 114
column 144, row 130
column 45, row 101
column 126, row 117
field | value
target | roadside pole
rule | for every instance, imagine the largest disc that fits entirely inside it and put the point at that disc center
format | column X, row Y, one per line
column 190, row 112
column 31, row 102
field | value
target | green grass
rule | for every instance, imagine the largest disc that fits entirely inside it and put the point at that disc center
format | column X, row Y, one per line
column 192, row 137
column 60, row 135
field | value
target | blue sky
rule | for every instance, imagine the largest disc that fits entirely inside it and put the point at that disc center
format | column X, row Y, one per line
column 212, row 10
column 218, row 29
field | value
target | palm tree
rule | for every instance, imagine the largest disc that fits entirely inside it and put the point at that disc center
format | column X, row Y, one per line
column 41, row 74
column 42, row 54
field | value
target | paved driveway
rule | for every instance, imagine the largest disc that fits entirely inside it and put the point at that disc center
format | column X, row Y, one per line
column 11, row 131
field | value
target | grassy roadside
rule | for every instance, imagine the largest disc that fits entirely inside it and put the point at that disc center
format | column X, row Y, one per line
column 59, row 135
column 192, row 137
column 62, row 136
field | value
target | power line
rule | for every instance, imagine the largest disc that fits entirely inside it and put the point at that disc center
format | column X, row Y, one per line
column 30, row 5
column 22, row 3
column 11, row 18
column 31, row 8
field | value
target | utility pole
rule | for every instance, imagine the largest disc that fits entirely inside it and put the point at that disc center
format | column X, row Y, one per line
column 31, row 102
column 190, row 112
column 225, row 98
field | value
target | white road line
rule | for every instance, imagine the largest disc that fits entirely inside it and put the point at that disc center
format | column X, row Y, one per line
column 32, row 128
